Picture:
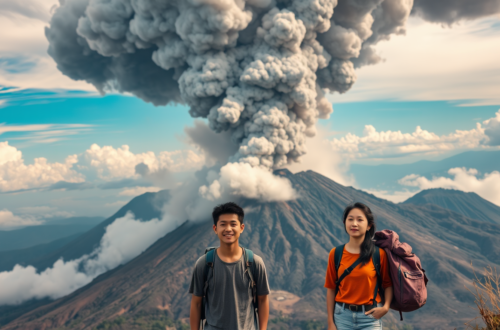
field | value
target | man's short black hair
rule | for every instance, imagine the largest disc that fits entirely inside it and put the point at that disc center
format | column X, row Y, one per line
column 228, row 208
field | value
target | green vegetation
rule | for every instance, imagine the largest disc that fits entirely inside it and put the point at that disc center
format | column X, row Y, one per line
column 143, row 321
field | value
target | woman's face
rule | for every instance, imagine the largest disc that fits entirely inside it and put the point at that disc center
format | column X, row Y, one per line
column 356, row 223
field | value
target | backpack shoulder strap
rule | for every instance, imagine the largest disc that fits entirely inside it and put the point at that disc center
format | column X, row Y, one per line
column 376, row 264
column 250, row 269
column 337, row 257
column 209, row 263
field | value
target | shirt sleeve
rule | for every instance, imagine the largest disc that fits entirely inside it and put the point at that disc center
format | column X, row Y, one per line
column 331, row 274
column 197, row 281
column 384, row 264
column 261, row 274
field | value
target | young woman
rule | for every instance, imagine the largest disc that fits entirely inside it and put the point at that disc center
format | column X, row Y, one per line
column 350, row 305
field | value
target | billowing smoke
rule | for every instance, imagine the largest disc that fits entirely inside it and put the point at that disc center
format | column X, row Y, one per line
column 256, row 69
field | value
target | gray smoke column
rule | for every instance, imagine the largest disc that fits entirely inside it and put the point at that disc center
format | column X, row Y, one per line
column 256, row 69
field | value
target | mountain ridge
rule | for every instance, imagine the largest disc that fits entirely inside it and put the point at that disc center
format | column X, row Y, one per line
column 468, row 204
column 294, row 238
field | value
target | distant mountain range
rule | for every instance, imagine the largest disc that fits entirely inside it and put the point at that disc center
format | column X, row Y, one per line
column 294, row 238
column 386, row 176
column 46, row 233
column 468, row 204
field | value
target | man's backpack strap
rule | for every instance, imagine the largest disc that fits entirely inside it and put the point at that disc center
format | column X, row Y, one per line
column 209, row 264
column 376, row 263
column 250, row 270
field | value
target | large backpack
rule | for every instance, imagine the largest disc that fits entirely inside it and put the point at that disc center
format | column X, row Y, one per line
column 250, row 270
column 408, row 277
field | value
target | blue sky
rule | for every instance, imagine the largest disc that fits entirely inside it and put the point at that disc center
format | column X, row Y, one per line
column 443, row 79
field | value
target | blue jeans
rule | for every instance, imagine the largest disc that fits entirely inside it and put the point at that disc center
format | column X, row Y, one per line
column 347, row 320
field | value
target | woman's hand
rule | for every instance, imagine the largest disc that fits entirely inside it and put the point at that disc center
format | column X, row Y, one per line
column 331, row 326
column 378, row 312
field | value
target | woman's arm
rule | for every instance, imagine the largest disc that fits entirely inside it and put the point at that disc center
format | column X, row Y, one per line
column 388, row 292
column 330, row 308
column 379, row 312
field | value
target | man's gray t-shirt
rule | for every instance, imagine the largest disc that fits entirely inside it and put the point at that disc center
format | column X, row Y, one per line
column 230, row 294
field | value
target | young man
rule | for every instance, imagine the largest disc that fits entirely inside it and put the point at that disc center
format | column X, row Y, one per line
column 229, row 304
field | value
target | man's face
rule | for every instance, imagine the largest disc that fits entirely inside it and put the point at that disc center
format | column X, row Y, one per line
column 228, row 228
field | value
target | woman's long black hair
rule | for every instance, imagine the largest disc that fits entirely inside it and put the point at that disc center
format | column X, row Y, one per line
column 367, row 247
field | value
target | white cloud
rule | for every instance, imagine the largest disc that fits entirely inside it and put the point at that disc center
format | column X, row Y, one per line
column 36, row 9
column 111, row 163
column 44, row 212
column 394, row 196
column 123, row 240
column 16, row 175
column 492, row 129
column 95, row 164
column 136, row 191
column 321, row 159
column 23, row 40
column 45, row 133
column 432, row 62
column 375, row 144
column 468, row 180
column 241, row 179
column 10, row 221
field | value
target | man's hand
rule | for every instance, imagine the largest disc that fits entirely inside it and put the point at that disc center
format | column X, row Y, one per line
column 378, row 312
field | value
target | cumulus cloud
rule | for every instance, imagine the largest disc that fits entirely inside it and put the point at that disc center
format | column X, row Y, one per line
column 10, row 221
column 492, row 130
column 138, row 191
column 123, row 240
column 468, row 180
column 98, row 167
column 16, row 175
column 375, row 144
column 116, row 163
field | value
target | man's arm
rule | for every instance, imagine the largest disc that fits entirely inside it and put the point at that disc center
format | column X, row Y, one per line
column 263, row 311
column 195, row 314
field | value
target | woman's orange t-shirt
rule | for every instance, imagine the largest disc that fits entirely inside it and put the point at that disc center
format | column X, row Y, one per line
column 357, row 288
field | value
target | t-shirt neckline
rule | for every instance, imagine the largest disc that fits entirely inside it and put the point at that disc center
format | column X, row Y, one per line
column 229, row 263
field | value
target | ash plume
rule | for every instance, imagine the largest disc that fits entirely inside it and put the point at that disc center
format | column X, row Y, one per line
column 256, row 69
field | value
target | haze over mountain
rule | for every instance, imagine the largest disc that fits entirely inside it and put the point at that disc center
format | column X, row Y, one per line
column 294, row 238
column 386, row 176
column 46, row 233
column 28, row 256
column 468, row 204
column 146, row 207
